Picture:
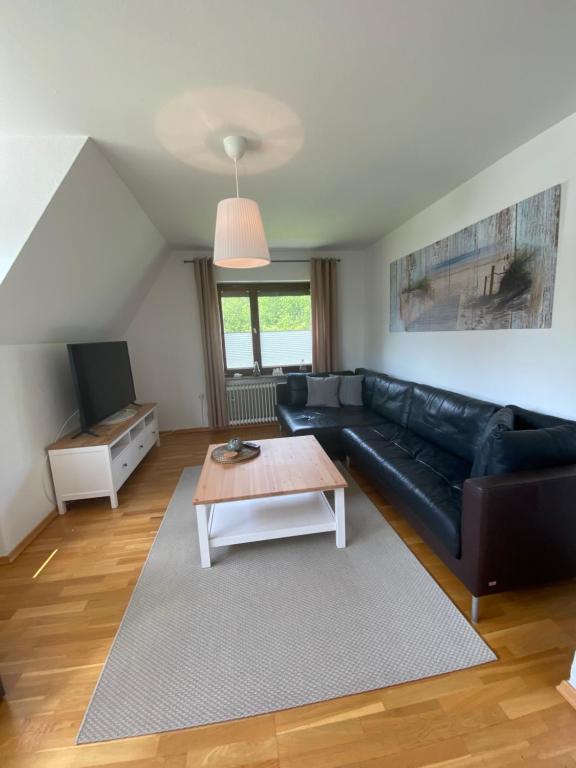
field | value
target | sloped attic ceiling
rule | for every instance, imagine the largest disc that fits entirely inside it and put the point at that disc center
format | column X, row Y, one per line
column 87, row 264
column 31, row 170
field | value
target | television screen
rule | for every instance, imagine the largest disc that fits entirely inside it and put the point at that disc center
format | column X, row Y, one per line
column 103, row 379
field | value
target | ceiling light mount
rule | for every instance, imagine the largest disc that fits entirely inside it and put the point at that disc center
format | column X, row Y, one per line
column 235, row 147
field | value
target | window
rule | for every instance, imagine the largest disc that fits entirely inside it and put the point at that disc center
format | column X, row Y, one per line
column 269, row 323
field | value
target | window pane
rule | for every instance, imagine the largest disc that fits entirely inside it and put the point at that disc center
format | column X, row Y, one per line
column 237, row 332
column 285, row 330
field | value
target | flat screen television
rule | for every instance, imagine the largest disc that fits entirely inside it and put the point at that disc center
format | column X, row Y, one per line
column 103, row 379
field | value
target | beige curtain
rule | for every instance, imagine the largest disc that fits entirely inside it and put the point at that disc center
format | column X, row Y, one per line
column 211, row 342
column 323, row 293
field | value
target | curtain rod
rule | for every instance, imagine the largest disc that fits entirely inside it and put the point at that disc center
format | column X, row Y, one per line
column 278, row 261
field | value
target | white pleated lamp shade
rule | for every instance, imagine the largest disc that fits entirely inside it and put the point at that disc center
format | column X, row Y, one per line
column 239, row 240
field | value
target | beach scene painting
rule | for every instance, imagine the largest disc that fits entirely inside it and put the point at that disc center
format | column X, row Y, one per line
column 497, row 273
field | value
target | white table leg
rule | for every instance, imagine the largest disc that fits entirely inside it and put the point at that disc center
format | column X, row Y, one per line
column 339, row 511
column 202, row 513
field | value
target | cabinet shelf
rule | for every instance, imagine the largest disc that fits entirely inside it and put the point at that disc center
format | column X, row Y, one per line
column 118, row 448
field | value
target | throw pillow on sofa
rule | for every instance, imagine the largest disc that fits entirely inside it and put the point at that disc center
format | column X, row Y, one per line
column 532, row 449
column 298, row 388
column 501, row 421
column 350, row 392
column 323, row 392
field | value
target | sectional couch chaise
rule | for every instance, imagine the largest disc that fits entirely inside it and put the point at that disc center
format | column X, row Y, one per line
column 492, row 490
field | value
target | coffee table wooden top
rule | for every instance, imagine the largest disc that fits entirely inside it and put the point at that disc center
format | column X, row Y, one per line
column 285, row 465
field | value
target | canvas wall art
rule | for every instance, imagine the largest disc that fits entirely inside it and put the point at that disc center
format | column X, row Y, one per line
column 497, row 273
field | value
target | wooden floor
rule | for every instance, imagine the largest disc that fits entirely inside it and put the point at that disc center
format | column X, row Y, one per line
column 55, row 632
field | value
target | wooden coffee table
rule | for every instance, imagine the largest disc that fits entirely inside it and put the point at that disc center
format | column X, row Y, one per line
column 280, row 493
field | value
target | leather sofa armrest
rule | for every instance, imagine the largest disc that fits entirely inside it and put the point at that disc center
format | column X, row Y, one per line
column 519, row 529
column 282, row 395
column 549, row 475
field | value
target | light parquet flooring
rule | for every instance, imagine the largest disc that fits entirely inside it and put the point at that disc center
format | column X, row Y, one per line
column 55, row 632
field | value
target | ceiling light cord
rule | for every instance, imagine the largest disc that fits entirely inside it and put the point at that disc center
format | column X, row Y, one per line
column 236, row 173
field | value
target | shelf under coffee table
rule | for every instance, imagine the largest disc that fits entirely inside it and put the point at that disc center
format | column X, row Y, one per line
column 280, row 493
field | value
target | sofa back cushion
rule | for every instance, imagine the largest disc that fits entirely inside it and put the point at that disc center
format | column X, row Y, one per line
column 384, row 386
column 298, row 388
column 370, row 378
column 501, row 421
column 391, row 399
column 524, row 449
column 453, row 422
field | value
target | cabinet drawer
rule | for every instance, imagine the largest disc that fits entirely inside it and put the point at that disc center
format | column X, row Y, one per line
column 142, row 445
column 123, row 465
column 152, row 429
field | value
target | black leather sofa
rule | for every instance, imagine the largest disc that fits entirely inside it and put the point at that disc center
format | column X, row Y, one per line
column 417, row 444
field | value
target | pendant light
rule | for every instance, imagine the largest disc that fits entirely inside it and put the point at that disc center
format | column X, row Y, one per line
column 239, row 240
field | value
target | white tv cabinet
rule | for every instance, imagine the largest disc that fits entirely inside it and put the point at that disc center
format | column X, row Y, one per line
column 86, row 466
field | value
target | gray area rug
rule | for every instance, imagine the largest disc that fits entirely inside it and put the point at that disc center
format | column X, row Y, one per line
column 272, row 625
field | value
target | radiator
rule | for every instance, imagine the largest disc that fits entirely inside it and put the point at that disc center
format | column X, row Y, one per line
column 251, row 402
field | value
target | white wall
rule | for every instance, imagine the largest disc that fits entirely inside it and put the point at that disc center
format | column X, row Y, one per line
column 352, row 308
column 165, row 341
column 31, row 169
column 534, row 368
column 166, row 347
column 80, row 274
column 37, row 396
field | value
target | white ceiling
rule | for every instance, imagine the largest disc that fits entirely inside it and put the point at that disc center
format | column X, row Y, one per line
column 393, row 102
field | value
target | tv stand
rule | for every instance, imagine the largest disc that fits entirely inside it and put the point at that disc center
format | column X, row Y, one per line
column 89, row 466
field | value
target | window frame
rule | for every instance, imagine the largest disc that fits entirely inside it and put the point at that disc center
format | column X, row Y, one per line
column 252, row 291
